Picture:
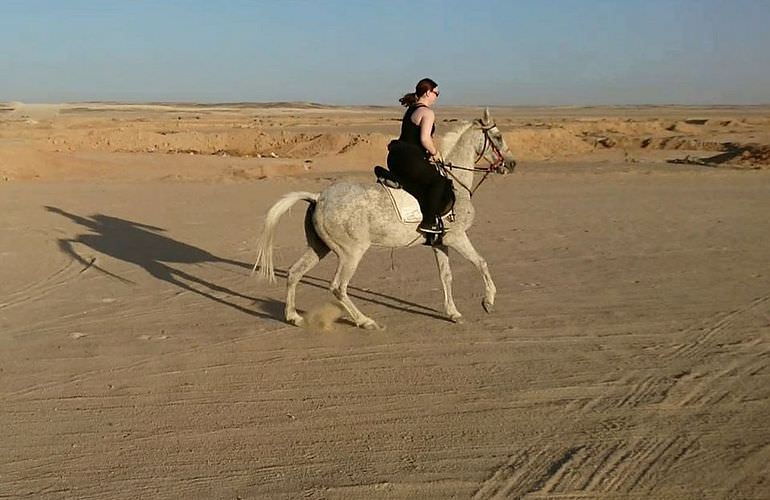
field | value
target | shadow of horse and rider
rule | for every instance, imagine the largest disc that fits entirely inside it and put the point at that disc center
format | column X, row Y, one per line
column 147, row 247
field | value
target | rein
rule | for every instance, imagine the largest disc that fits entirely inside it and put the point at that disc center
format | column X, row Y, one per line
column 493, row 167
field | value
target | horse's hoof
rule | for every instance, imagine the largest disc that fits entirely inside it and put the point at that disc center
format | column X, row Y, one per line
column 487, row 305
column 371, row 325
column 457, row 319
column 296, row 321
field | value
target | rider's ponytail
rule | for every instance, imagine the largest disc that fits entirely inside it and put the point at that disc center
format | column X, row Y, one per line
column 423, row 86
column 408, row 99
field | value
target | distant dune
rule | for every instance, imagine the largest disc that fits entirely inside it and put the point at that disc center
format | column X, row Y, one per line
column 302, row 137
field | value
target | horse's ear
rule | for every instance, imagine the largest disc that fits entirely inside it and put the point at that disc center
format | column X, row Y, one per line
column 485, row 118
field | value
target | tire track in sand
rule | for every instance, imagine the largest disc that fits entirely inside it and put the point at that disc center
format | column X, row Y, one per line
column 635, row 467
column 524, row 472
column 41, row 288
column 611, row 467
column 707, row 333
column 723, row 379
column 729, row 369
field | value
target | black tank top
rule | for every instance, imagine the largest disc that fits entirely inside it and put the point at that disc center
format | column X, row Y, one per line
column 410, row 133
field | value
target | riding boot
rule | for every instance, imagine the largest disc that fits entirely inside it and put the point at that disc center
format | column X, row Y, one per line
column 433, row 232
column 433, row 239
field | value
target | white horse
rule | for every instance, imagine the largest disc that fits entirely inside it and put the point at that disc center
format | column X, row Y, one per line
column 348, row 218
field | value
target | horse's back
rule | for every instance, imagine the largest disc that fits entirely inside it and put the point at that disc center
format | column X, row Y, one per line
column 363, row 212
column 346, row 196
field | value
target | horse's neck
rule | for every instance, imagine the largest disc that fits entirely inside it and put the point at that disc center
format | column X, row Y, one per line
column 463, row 154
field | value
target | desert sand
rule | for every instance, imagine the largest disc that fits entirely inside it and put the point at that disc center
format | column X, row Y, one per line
column 627, row 356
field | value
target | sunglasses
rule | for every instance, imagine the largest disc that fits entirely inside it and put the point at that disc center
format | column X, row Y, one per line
column 435, row 92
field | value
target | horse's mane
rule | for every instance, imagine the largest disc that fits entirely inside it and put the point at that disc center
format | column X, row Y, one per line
column 449, row 140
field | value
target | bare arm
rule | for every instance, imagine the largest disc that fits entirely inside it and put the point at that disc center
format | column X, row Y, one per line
column 427, row 119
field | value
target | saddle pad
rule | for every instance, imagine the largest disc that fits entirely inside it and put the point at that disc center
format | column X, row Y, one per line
column 406, row 205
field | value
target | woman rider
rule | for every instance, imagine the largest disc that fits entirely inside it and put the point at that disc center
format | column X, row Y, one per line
column 410, row 156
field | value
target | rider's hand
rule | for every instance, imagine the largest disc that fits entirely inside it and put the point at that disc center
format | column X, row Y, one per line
column 437, row 158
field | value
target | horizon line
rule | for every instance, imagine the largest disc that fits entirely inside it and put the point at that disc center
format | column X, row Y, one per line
column 314, row 104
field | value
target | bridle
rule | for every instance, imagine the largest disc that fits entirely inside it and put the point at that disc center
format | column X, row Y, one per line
column 498, row 166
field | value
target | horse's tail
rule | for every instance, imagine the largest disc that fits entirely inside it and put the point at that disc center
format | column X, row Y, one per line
column 265, row 242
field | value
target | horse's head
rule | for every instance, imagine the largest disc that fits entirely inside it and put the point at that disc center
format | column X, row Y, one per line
column 493, row 148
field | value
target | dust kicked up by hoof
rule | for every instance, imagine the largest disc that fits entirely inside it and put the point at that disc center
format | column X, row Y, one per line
column 322, row 317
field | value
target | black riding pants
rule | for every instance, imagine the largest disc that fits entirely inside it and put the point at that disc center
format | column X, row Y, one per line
column 419, row 178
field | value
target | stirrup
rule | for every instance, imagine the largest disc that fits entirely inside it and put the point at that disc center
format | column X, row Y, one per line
column 436, row 228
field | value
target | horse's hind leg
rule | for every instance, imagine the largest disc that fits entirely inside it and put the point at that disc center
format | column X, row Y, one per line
column 317, row 251
column 348, row 263
column 309, row 259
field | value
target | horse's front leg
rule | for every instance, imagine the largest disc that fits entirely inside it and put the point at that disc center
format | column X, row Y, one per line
column 462, row 244
column 442, row 260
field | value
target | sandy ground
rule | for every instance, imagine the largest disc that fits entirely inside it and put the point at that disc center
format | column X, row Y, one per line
column 627, row 356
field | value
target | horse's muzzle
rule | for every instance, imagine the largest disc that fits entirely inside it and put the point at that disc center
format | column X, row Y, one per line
column 506, row 167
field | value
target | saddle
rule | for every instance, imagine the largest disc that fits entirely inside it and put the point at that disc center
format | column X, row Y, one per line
column 386, row 177
column 406, row 205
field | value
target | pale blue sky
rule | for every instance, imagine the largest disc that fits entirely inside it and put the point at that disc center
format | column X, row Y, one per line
column 498, row 52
